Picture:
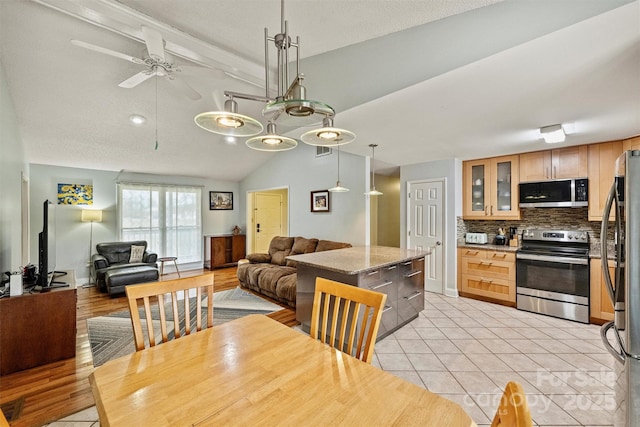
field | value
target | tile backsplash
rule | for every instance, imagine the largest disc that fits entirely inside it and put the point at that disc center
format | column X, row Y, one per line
column 540, row 218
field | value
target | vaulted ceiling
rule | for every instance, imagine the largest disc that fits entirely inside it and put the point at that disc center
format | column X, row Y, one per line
column 425, row 80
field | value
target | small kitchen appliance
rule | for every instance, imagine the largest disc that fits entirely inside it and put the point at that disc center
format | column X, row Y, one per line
column 478, row 238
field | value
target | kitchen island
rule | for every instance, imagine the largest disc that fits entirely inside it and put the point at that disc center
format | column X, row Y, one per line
column 399, row 273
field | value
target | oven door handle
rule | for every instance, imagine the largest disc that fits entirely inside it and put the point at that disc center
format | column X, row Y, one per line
column 558, row 259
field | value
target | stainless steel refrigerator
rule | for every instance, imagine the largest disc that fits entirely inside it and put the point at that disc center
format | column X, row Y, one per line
column 624, row 286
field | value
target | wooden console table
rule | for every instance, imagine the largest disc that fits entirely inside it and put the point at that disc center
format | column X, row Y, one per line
column 223, row 250
column 38, row 328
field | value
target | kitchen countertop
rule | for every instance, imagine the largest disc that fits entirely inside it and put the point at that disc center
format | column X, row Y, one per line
column 488, row 247
column 358, row 258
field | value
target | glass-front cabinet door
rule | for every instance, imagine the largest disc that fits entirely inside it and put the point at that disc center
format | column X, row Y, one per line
column 475, row 192
column 490, row 188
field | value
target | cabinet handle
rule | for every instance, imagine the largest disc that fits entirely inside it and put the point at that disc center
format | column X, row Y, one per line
column 491, row 209
column 546, row 172
column 393, row 267
column 413, row 295
column 486, row 281
column 371, row 273
column 488, row 263
column 500, row 255
column 381, row 285
column 555, row 172
column 407, row 263
column 486, row 210
column 387, row 308
column 472, row 252
column 413, row 274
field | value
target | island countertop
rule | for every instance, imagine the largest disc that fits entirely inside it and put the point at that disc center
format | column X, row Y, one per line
column 358, row 258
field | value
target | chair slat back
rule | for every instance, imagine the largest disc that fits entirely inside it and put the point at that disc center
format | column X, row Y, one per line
column 173, row 293
column 513, row 410
column 350, row 317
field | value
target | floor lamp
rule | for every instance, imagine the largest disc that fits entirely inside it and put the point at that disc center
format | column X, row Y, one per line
column 91, row 215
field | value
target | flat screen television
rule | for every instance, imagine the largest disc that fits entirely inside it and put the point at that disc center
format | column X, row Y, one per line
column 47, row 250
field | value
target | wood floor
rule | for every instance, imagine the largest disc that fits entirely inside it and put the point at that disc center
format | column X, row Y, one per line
column 58, row 389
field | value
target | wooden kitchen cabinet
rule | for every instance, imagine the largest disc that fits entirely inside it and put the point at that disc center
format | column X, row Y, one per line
column 561, row 163
column 631, row 143
column 487, row 274
column 224, row 250
column 601, row 309
column 602, row 169
column 490, row 188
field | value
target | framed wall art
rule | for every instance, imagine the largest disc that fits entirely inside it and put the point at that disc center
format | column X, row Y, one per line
column 75, row 194
column 220, row 200
column 320, row 201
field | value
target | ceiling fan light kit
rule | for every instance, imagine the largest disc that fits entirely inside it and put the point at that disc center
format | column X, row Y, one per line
column 290, row 107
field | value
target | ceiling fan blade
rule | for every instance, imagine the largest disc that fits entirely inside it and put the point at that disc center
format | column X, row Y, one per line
column 184, row 88
column 135, row 80
column 108, row 51
column 155, row 44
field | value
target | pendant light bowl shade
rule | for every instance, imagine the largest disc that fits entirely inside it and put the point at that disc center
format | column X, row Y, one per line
column 374, row 192
column 229, row 122
column 328, row 136
column 271, row 141
column 338, row 188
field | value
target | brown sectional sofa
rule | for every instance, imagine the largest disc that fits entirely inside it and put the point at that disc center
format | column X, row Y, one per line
column 272, row 274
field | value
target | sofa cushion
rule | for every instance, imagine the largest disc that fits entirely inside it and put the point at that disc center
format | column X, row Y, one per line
column 268, row 278
column 286, row 289
column 328, row 245
column 302, row 245
column 279, row 249
column 118, row 252
column 136, row 253
column 258, row 258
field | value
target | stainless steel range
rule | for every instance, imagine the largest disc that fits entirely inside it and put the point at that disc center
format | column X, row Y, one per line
column 552, row 273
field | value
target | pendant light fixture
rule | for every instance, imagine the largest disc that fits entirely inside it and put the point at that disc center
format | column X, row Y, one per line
column 271, row 141
column 373, row 191
column 328, row 135
column 290, row 107
column 338, row 188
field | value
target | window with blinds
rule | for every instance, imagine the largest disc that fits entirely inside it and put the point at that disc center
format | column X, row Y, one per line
column 167, row 217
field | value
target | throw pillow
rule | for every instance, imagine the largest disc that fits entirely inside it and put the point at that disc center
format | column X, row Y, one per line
column 137, row 252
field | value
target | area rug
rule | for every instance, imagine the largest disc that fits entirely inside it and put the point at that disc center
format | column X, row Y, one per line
column 111, row 336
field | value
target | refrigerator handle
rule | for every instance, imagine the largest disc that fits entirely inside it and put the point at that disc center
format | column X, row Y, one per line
column 603, row 243
column 618, row 355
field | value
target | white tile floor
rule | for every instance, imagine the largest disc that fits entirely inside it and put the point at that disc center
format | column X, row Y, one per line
column 467, row 350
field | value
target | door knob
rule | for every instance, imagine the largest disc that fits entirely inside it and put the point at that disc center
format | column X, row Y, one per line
column 438, row 243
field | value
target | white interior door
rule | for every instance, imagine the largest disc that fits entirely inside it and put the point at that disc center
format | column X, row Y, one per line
column 267, row 220
column 426, row 228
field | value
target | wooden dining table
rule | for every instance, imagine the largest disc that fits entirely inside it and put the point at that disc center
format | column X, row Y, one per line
column 256, row 371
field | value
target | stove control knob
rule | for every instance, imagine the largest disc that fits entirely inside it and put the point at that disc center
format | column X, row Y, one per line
column 583, row 236
column 570, row 236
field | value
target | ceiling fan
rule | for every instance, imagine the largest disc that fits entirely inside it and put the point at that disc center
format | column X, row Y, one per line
column 158, row 62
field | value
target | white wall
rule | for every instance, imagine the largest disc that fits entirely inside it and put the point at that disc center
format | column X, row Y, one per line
column 451, row 169
column 302, row 172
column 12, row 167
column 72, row 235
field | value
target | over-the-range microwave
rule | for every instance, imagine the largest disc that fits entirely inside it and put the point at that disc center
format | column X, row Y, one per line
column 557, row 193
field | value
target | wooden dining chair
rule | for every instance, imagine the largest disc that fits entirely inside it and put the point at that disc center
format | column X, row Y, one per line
column 358, row 311
column 169, row 293
column 513, row 410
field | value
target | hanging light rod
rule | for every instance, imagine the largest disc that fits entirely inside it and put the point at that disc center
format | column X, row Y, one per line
column 290, row 106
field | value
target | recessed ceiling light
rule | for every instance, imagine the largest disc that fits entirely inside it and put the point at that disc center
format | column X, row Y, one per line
column 137, row 119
